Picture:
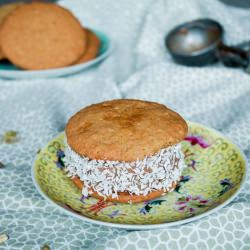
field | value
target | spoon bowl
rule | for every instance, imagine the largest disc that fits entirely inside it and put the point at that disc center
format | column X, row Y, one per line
column 194, row 43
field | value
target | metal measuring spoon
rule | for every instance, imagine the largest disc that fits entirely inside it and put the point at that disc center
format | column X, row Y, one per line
column 200, row 42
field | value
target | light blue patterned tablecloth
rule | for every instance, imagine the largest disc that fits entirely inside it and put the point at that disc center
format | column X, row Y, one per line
column 139, row 68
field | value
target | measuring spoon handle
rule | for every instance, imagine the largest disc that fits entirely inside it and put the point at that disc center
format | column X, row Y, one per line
column 232, row 56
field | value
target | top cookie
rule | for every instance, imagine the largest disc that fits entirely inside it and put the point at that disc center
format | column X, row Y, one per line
column 124, row 130
column 5, row 10
column 42, row 36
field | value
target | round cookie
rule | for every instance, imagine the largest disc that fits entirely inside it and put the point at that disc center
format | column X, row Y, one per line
column 92, row 50
column 42, row 36
column 124, row 130
column 5, row 10
column 1, row 52
column 124, row 197
column 1, row 55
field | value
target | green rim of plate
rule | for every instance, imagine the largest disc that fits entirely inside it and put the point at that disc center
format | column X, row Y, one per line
column 215, row 174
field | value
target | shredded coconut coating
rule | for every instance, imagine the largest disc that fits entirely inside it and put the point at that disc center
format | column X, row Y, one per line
column 140, row 177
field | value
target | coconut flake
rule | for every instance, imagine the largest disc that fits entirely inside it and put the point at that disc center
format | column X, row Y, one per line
column 138, row 177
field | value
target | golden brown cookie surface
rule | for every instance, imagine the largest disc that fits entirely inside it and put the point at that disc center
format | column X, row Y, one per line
column 42, row 36
column 124, row 130
column 92, row 50
column 125, row 197
column 1, row 54
column 5, row 10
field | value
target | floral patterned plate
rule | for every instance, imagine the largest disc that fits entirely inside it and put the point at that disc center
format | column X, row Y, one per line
column 8, row 70
column 216, row 171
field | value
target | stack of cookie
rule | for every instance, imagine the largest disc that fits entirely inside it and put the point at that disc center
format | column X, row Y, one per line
column 39, row 36
column 125, row 150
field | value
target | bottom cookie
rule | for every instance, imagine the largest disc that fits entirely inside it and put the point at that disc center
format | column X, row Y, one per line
column 124, row 197
column 92, row 50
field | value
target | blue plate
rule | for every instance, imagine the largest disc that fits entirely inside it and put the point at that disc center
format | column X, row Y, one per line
column 7, row 70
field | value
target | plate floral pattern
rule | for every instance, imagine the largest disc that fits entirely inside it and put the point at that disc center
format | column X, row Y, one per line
column 215, row 173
